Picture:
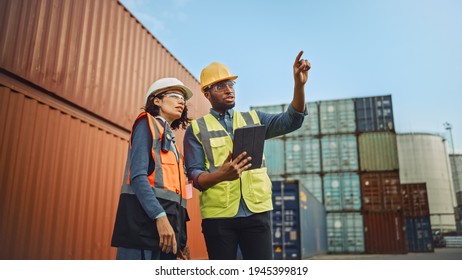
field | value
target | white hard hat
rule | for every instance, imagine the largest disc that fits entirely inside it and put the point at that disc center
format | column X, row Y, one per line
column 165, row 84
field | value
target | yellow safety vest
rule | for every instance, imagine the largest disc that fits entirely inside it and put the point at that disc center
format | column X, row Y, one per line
column 222, row 199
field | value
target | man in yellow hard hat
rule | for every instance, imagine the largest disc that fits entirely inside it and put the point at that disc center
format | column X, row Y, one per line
column 235, row 201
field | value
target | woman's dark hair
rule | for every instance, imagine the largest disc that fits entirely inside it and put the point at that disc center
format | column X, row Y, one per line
column 153, row 109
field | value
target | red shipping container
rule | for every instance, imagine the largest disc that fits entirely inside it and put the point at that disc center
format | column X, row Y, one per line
column 384, row 232
column 415, row 200
column 381, row 191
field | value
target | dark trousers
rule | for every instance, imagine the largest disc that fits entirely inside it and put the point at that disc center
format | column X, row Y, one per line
column 252, row 234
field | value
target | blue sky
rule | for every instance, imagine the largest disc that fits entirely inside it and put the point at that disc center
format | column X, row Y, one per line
column 411, row 49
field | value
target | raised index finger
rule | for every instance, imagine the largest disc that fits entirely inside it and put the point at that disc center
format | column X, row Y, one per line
column 298, row 57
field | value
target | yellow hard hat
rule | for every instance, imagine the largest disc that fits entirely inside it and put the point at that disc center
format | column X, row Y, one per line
column 213, row 73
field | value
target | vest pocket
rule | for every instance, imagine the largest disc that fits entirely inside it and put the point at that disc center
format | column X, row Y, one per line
column 219, row 151
column 260, row 185
column 216, row 196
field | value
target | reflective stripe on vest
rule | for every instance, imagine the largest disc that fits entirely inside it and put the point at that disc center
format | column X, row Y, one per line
column 222, row 199
column 168, row 180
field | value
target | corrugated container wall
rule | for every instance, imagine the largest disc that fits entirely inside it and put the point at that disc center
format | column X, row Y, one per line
column 303, row 155
column 310, row 126
column 94, row 54
column 374, row 114
column 378, row 151
column 415, row 200
column 59, row 192
column 419, row 234
column 381, row 191
column 339, row 153
column 342, row 192
column 345, row 233
column 384, row 232
column 274, row 151
column 337, row 116
column 424, row 158
column 299, row 222
column 73, row 75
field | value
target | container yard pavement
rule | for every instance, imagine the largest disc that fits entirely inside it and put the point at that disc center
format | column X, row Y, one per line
column 439, row 254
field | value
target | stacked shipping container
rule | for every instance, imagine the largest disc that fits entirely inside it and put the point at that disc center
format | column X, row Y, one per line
column 417, row 218
column 73, row 77
column 346, row 155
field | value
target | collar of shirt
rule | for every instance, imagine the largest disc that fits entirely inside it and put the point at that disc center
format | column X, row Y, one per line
column 219, row 116
column 226, row 120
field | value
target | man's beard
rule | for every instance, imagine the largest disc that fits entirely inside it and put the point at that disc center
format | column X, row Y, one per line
column 219, row 106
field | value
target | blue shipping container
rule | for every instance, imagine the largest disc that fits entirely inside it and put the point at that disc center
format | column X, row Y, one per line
column 419, row 234
column 299, row 222
column 374, row 114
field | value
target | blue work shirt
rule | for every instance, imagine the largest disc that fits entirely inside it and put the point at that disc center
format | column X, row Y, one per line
column 275, row 124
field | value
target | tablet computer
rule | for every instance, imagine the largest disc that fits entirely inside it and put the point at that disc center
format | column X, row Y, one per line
column 250, row 139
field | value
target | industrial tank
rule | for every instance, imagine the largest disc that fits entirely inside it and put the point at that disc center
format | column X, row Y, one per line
column 424, row 158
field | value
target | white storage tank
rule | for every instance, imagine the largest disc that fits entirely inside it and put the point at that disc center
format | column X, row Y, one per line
column 424, row 158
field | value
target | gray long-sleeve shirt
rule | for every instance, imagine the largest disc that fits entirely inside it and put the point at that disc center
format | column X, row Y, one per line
column 276, row 125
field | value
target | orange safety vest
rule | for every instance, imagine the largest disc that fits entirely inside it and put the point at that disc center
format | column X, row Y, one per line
column 133, row 228
column 168, row 179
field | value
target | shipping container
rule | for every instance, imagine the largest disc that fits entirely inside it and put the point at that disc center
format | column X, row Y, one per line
column 424, row 158
column 310, row 126
column 303, row 155
column 299, row 222
column 384, row 232
column 339, row 153
column 60, row 178
column 345, row 233
column 270, row 109
column 374, row 114
column 419, row 234
column 94, row 54
column 415, row 200
column 274, row 152
column 378, row 151
column 337, row 116
column 75, row 90
column 310, row 182
column 342, row 191
column 456, row 170
column 381, row 191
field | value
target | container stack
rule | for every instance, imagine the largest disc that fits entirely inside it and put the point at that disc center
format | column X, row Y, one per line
column 382, row 202
column 340, row 177
column 345, row 154
column 416, row 212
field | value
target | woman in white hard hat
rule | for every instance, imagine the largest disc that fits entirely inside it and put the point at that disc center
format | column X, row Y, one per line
column 151, row 215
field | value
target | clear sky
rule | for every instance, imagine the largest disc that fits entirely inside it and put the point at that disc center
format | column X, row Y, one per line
column 411, row 49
